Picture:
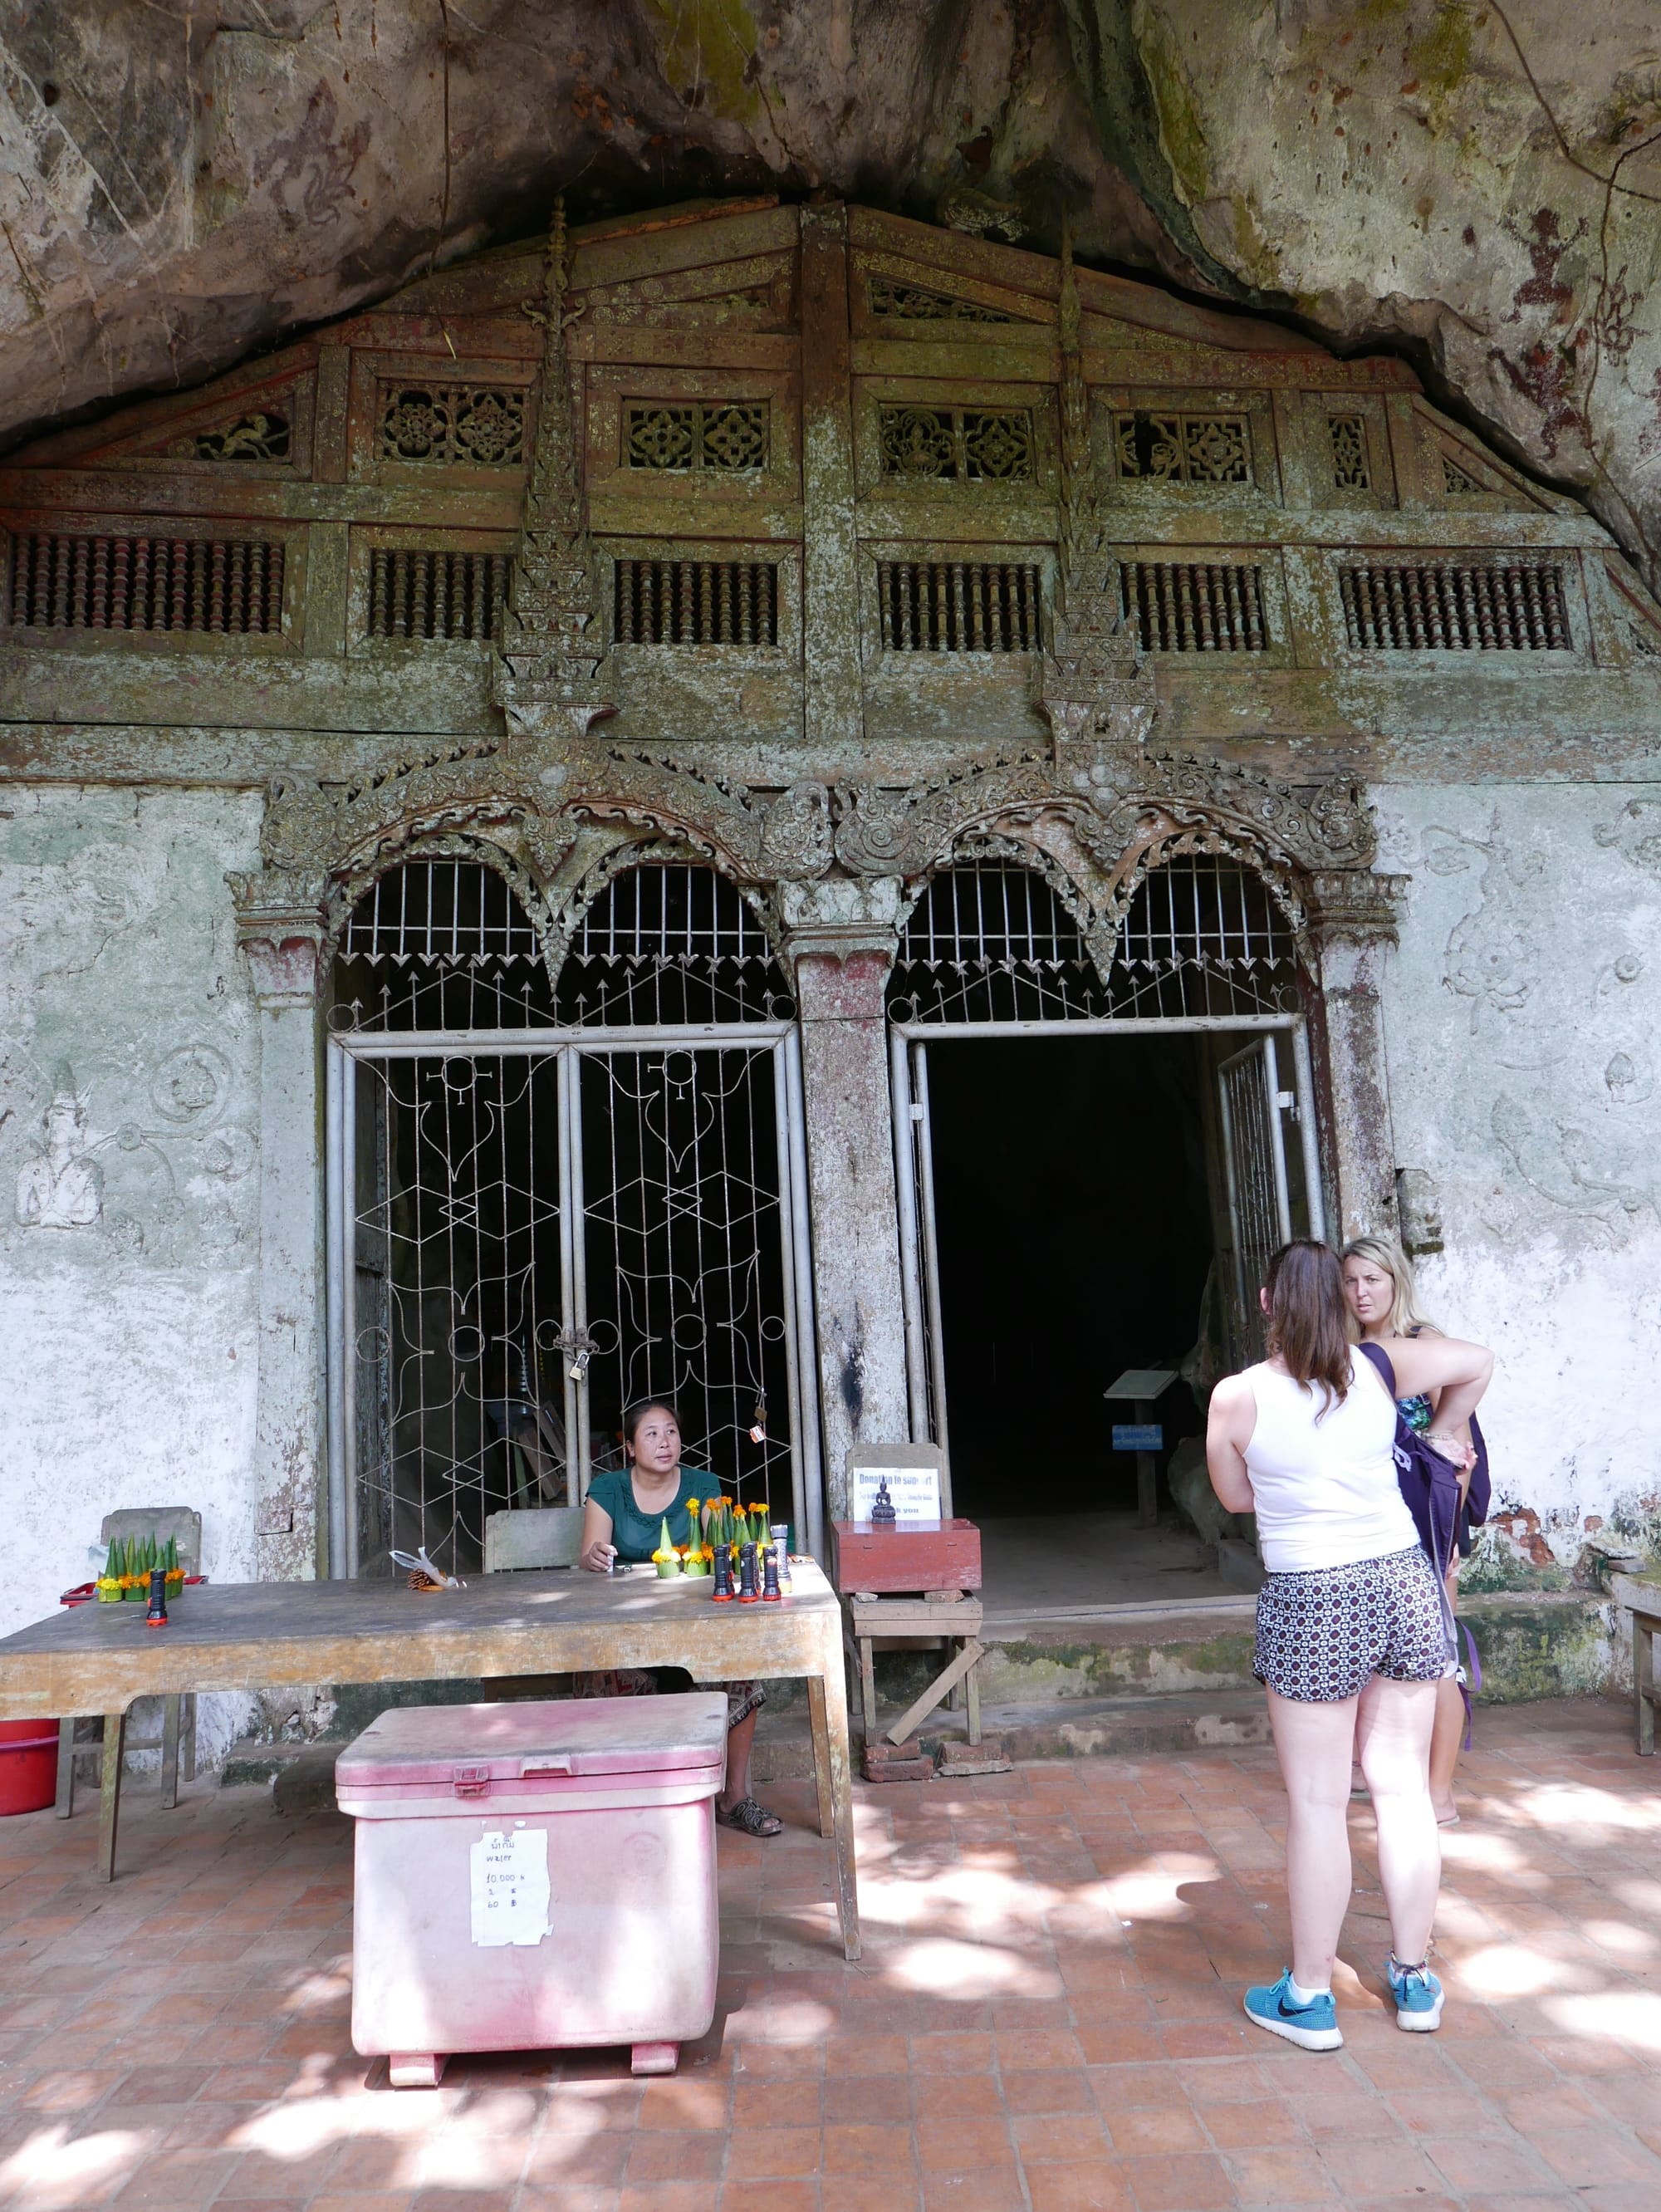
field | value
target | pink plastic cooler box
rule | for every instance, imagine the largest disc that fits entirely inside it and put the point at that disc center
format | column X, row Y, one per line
column 535, row 1877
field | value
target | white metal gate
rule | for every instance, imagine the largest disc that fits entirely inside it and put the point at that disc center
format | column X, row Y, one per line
column 551, row 1195
column 535, row 1235
column 992, row 952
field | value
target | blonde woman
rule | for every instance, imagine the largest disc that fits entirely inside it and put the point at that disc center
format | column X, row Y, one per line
column 1382, row 1299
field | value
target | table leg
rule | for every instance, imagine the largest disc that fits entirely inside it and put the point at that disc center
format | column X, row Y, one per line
column 109, row 1791
column 170, row 1752
column 1643, row 1683
column 64, row 1801
column 971, row 1697
column 187, row 1739
column 867, row 1688
column 821, row 1765
column 841, row 1780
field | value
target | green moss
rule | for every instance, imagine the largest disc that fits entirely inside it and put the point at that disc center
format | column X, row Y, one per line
column 1440, row 59
column 1496, row 1565
column 1181, row 134
column 711, row 45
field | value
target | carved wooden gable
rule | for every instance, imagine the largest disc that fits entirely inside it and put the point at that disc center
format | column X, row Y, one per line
column 355, row 503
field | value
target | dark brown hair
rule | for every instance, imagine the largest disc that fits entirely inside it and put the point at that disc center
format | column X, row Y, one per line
column 1307, row 1317
column 638, row 1412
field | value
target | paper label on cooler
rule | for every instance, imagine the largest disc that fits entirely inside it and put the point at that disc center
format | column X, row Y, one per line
column 510, row 1886
column 913, row 1491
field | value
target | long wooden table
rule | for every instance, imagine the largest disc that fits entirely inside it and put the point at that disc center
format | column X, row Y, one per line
column 256, row 1636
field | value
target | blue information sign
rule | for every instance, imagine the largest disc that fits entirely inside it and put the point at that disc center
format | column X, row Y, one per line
column 1129, row 1436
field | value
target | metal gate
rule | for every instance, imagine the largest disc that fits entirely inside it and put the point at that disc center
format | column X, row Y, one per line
column 531, row 1227
column 1251, row 1104
column 993, row 951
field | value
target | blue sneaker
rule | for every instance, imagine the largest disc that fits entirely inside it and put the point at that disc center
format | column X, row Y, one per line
column 1314, row 2027
column 1418, row 1996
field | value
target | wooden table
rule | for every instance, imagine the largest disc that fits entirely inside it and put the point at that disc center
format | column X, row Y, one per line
column 254, row 1636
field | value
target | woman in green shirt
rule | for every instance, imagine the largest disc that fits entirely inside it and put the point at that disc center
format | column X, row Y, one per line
column 623, row 1519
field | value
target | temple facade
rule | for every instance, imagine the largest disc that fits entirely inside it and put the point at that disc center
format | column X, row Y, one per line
column 779, row 804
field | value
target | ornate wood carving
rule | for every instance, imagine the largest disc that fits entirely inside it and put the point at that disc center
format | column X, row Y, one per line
column 1094, row 682
column 546, row 673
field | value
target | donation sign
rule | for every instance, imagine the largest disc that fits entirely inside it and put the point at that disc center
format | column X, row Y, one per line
column 510, row 1894
column 913, row 1491
column 1138, row 1436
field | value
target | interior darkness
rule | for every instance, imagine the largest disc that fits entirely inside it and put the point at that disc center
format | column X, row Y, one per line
column 1075, row 1235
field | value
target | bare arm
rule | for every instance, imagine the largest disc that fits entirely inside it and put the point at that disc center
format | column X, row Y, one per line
column 599, row 1551
column 1233, row 1417
column 1458, row 1374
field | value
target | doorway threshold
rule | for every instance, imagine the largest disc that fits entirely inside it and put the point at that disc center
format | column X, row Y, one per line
column 1000, row 1620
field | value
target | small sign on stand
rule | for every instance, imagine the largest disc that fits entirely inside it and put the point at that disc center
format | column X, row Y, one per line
column 1144, row 1436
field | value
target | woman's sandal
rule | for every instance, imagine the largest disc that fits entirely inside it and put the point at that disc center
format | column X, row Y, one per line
column 748, row 1818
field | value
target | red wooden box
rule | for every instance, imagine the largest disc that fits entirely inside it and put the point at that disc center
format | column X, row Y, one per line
column 919, row 1555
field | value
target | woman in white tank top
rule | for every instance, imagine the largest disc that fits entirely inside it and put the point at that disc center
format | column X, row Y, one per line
column 1350, row 1638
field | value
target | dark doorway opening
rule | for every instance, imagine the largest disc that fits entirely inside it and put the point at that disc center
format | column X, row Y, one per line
column 1074, row 1233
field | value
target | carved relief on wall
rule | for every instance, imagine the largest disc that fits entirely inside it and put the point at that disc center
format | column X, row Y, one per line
column 62, row 1187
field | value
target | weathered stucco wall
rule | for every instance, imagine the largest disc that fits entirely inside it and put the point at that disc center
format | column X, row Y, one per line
column 128, row 1194
column 1523, row 1014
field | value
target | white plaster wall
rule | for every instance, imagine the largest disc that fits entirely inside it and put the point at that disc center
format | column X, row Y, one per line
column 1523, row 1025
column 127, row 1331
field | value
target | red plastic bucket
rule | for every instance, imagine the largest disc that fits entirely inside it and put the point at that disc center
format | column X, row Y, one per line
column 28, row 1765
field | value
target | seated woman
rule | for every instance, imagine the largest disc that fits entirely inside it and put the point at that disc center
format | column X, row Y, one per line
column 623, row 1520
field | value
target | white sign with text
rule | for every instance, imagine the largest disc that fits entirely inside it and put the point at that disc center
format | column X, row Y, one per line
column 511, row 1891
column 913, row 1491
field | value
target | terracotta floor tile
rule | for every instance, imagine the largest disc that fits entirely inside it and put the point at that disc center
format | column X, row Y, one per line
column 1187, row 2181
column 769, row 2197
column 1362, row 2172
column 957, row 2146
column 757, row 2153
column 1160, row 2128
column 1253, row 2126
column 861, row 2097
column 1047, row 2138
column 662, row 2157
column 1487, row 2166
column 1098, row 2187
column 985, row 2189
column 1053, row 2091
column 953, row 2096
column 889, row 2192
column 1279, row 2174
column 868, row 2151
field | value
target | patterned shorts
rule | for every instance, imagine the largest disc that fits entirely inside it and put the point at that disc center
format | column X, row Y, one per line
column 1322, row 1633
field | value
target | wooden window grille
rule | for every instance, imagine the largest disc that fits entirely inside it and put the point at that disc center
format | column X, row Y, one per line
column 1195, row 606
column 1495, row 606
column 1350, row 469
column 1175, row 447
column 918, row 304
column 695, row 602
column 424, row 592
column 250, row 438
column 959, row 607
column 729, row 438
column 956, row 445
column 472, row 425
column 64, row 580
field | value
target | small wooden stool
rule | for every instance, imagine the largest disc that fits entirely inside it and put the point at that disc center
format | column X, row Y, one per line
column 948, row 1614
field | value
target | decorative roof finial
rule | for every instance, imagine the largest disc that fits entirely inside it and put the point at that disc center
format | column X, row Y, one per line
column 546, row 677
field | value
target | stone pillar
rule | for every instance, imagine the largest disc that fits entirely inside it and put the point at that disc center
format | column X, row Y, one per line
column 1352, row 927
column 841, row 938
column 280, row 930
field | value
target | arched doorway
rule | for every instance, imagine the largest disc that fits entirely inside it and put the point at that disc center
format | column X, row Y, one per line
column 555, row 1187
column 1105, row 1124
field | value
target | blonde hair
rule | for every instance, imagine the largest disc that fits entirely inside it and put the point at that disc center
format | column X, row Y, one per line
column 1406, row 1318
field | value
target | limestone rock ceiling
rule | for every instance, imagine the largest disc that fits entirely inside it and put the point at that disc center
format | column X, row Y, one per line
column 180, row 186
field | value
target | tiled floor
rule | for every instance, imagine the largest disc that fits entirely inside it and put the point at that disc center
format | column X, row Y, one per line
column 1046, row 2016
